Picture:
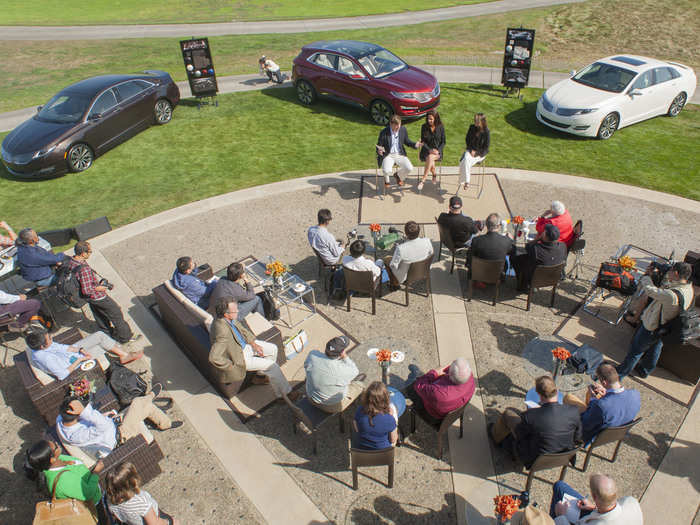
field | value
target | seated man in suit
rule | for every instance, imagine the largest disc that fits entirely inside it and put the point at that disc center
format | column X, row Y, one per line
column 438, row 393
column 234, row 351
column 97, row 435
column 390, row 150
column 235, row 285
column 607, row 403
column 414, row 249
column 492, row 246
column 60, row 360
column 547, row 429
column 194, row 289
column 35, row 263
column 461, row 226
column 547, row 252
column 605, row 507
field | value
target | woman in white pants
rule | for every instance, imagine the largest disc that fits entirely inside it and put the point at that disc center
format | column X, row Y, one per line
column 478, row 140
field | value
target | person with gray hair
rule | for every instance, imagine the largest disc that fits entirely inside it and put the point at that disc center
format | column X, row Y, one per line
column 605, row 507
column 559, row 217
column 35, row 263
column 438, row 393
column 492, row 246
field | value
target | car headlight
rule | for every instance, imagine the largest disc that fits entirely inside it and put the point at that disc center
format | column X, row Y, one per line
column 586, row 111
column 570, row 112
column 43, row 152
column 546, row 103
column 405, row 96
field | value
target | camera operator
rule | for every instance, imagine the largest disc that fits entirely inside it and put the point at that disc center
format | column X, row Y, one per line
column 647, row 343
column 107, row 312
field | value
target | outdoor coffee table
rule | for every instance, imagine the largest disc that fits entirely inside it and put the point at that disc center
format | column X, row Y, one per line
column 362, row 232
column 399, row 375
column 539, row 361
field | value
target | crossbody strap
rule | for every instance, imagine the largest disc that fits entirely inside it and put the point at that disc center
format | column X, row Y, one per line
column 55, row 482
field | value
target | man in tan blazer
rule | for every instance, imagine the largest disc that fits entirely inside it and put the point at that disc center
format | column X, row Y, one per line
column 234, row 351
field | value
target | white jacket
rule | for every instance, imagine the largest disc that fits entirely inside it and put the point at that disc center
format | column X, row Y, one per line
column 626, row 512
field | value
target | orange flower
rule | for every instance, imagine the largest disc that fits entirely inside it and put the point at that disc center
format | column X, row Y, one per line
column 384, row 355
column 561, row 353
column 275, row 269
column 376, row 228
column 627, row 262
column 506, row 506
column 518, row 219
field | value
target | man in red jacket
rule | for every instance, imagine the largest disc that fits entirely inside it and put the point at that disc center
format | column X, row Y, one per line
column 435, row 394
column 559, row 216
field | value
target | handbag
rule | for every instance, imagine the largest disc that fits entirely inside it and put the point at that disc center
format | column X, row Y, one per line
column 296, row 343
column 272, row 313
column 64, row 511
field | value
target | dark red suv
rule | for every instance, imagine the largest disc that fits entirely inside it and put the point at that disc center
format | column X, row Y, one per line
column 366, row 75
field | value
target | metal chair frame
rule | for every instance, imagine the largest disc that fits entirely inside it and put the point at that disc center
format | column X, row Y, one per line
column 445, row 424
column 578, row 249
column 303, row 412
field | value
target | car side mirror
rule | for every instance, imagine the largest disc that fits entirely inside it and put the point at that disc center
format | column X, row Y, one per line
column 39, row 108
column 95, row 116
column 634, row 92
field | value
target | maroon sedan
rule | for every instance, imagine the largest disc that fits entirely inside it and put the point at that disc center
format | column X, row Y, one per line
column 366, row 75
column 85, row 120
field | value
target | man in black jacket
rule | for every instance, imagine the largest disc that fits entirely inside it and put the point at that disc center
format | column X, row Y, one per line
column 461, row 226
column 390, row 150
column 546, row 252
column 547, row 429
column 493, row 246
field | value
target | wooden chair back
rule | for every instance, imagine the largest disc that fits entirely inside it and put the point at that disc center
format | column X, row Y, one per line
column 446, row 239
column 304, row 411
column 610, row 435
column 322, row 265
column 546, row 276
column 419, row 271
column 547, row 461
column 488, row 272
column 372, row 458
column 362, row 282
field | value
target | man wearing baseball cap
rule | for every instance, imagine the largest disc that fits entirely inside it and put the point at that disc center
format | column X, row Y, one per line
column 461, row 226
column 548, row 251
column 332, row 382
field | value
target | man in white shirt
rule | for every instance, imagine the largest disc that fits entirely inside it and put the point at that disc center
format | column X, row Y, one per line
column 18, row 305
column 358, row 262
column 271, row 69
column 323, row 241
column 570, row 507
column 412, row 250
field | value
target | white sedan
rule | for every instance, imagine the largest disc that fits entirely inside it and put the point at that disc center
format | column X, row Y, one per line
column 615, row 92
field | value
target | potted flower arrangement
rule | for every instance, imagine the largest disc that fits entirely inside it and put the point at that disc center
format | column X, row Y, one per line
column 82, row 388
column 627, row 263
column 517, row 223
column 560, row 354
column 506, row 506
column 276, row 269
column 384, row 359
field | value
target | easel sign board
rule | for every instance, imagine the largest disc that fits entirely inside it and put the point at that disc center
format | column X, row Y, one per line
column 517, row 57
column 196, row 54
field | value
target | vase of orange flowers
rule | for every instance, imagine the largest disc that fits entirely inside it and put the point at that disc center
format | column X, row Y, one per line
column 560, row 355
column 376, row 230
column 506, row 506
column 276, row 269
column 517, row 226
column 384, row 360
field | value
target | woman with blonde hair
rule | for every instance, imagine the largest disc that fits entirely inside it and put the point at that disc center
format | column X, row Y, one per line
column 376, row 419
column 129, row 503
column 478, row 140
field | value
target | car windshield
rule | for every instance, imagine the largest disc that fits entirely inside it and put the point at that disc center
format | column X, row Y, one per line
column 382, row 63
column 605, row 76
column 64, row 108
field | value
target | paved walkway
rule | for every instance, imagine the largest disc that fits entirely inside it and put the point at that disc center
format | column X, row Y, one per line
column 472, row 467
column 235, row 83
column 281, row 26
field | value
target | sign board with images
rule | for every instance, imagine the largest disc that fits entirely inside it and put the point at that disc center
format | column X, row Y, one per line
column 196, row 54
column 517, row 57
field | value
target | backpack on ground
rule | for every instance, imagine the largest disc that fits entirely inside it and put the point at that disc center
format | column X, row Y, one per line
column 68, row 287
column 685, row 327
column 125, row 384
column 612, row 276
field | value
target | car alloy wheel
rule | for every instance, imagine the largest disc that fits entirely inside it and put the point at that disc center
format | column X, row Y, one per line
column 80, row 157
column 380, row 112
column 163, row 111
column 306, row 92
column 608, row 126
column 677, row 104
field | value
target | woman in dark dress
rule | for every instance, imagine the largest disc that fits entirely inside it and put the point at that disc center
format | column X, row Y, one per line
column 432, row 135
column 478, row 140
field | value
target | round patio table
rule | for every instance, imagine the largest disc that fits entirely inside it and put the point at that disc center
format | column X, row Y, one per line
column 539, row 361
column 399, row 375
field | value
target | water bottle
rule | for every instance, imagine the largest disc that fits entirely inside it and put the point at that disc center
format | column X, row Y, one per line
column 524, row 499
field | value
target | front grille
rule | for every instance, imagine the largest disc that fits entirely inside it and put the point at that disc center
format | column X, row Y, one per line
column 553, row 123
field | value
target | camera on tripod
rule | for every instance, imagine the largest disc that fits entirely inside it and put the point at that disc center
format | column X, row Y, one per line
column 104, row 282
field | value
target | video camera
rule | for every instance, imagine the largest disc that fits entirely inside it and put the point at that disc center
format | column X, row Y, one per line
column 104, row 282
column 657, row 271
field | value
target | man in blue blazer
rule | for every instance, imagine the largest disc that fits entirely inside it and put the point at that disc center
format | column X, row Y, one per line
column 390, row 150
column 607, row 403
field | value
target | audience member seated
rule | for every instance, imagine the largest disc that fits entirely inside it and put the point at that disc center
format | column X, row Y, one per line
column 477, row 141
column 546, row 252
column 358, row 262
column 436, row 394
column 108, row 315
column 7, row 240
column 412, row 250
column 547, row 429
column 647, row 342
column 97, row 435
column 60, row 360
column 46, row 462
column 605, row 508
column 235, row 285
column 131, row 504
column 376, row 419
column 329, row 377
column 607, row 403
column 35, row 263
column 235, row 351
column 390, row 151
column 432, row 135
column 461, row 226
column 559, row 217
column 185, row 280
column 18, row 305
column 323, row 241
column 492, row 246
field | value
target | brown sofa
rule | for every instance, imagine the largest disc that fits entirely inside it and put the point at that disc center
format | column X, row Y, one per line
column 189, row 326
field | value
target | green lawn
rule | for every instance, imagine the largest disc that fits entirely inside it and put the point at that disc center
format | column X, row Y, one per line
column 57, row 13
column 260, row 137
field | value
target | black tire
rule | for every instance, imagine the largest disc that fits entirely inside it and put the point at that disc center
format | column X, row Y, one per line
column 677, row 105
column 79, row 157
column 306, row 93
column 162, row 111
column 608, row 126
column 380, row 112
